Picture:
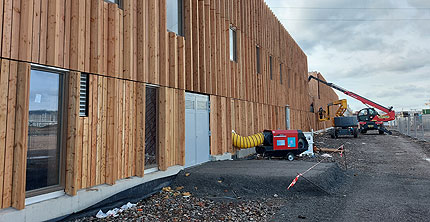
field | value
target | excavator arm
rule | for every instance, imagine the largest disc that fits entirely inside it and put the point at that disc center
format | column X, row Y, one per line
column 389, row 112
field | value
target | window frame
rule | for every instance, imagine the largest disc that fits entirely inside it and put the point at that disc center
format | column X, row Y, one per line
column 61, row 131
column 233, row 43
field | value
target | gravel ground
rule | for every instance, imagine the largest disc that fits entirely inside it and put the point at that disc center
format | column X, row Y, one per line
column 179, row 205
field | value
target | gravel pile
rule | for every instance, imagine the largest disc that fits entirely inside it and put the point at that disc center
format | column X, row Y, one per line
column 178, row 205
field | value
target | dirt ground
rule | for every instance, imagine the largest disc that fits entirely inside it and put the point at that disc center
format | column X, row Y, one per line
column 389, row 180
column 383, row 178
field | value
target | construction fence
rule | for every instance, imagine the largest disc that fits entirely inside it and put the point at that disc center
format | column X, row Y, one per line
column 416, row 126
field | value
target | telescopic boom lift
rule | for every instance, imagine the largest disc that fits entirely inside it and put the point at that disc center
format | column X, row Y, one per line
column 368, row 118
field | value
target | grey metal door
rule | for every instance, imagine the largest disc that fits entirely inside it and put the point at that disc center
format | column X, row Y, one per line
column 196, row 129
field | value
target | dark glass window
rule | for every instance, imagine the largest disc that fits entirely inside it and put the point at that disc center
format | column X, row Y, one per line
column 271, row 67
column 174, row 16
column 44, row 127
column 233, row 44
column 258, row 59
column 280, row 72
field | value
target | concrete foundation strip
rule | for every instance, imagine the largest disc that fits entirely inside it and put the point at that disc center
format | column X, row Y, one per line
column 301, row 174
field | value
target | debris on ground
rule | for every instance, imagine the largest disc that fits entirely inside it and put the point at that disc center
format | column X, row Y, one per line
column 177, row 208
column 115, row 212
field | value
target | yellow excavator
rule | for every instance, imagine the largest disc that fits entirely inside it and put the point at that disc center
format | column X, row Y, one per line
column 343, row 125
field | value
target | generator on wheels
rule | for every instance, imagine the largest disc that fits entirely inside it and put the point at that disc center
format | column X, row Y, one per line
column 282, row 143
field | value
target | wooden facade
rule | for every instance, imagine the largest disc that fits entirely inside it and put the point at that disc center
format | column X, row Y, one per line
column 123, row 50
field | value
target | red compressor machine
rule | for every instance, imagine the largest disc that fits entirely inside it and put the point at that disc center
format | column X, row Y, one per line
column 282, row 143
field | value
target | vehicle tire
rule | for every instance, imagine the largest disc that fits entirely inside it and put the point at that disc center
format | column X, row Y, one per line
column 363, row 131
column 381, row 132
column 355, row 132
column 290, row 156
column 336, row 134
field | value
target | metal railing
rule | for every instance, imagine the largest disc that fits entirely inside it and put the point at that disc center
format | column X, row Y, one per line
column 416, row 126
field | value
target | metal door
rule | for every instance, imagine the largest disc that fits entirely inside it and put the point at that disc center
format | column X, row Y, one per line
column 196, row 129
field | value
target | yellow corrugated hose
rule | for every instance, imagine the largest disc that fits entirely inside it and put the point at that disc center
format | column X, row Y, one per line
column 243, row 142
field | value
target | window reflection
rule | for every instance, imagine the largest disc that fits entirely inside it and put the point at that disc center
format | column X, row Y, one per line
column 43, row 155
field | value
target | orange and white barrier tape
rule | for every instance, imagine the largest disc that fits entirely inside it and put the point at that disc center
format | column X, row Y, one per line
column 301, row 174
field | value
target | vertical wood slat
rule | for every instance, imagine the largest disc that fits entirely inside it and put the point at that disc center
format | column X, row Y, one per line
column 4, row 86
column 140, row 129
column 21, row 135
column 9, row 68
column 188, row 30
column 173, row 61
column 72, row 134
column 181, row 62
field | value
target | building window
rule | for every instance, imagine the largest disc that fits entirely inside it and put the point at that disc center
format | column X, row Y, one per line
column 258, row 59
column 280, row 72
column 83, row 95
column 174, row 16
column 44, row 150
column 233, row 44
column 151, row 119
column 118, row 2
column 271, row 67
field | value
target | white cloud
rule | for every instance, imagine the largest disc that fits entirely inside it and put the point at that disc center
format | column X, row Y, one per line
column 386, row 61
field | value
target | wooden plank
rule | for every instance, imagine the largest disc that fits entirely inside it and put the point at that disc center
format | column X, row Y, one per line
column 164, row 47
column 4, row 88
column 35, row 43
column 96, row 36
column 52, row 46
column 142, row 37
column 162, row 130
column 7, row 28
column 94, row 123
column 181, row 126
column 11, row 69
column 173, row 61
column 21, row 135
column 87, row 52
column 72, row 134
column 99, row 129
column 85, row 152
column 202, row 46
column 153, row 41
column 181, row 62
column 77, row 38
column 208, row 73
column 111, row 146
column 43, row 30
column 195, row 42
column 214, row 125
column 188, row 30
column 140, row 128
column 130, row 50
column 104, row 128
column 15, row 39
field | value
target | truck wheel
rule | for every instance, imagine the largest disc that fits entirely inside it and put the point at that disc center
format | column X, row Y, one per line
column 355, row 132
column 381, row 132
column 363, row 131
column 290, row 156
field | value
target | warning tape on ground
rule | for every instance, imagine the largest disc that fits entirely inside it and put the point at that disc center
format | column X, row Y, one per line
column 301, row 174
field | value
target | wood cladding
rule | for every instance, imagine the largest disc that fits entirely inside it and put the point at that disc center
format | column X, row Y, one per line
column 123, row 50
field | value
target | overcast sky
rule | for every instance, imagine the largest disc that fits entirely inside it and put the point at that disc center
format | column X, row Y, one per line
column 379, row 49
